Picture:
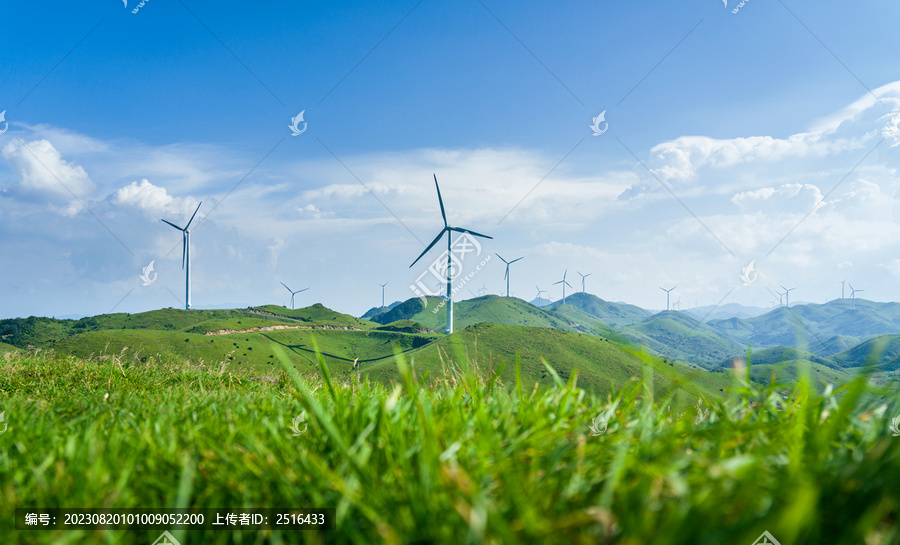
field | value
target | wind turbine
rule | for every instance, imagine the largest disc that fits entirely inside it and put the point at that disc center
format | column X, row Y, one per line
column 668, row 291
column 583, row 276
column 842, row 287
column 564, row 284
column 447, row 229
column 293, row 293
column 853, row 294
column 506, row 276
column 186, row 256
column 787, row 296
column 540, row 291
column 382, row 292
column 482, row 290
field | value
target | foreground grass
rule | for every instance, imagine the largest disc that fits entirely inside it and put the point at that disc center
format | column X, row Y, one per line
column 461, row 459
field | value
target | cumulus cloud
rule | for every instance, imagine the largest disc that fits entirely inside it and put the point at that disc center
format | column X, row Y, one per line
column 153, row 199
column 43, row 174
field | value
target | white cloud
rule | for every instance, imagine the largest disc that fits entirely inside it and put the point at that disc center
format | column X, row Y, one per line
column 43, row 174
column 153, row 199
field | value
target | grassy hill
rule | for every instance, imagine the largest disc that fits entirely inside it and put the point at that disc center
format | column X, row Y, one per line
column 614, row 314
column 490, row 308
column 789, row 372
column 317, row 314
column 677, row 335
column 809, row 327
column 882, row 352
column 779, row 354
column 602, row 365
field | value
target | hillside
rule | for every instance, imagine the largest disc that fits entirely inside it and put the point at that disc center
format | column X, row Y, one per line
column 675, row 335
column 601, row 364
column 810, row 326
column 375, row 311
column 882, row 352
column 778, row 354
column 317, row 314
column 489, row 308
column 614, row 314
column 788, row 372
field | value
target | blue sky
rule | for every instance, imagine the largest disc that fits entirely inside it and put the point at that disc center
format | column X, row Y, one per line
column 727, row 131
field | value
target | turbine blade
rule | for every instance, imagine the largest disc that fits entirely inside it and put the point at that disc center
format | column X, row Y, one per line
column 287, row 288
column 430, row 246
column 461, row 230
column 192, row 217
column 172, row 224
column 501, row 259
column 440, row 200
column 505, row 276
column 514, row 260
column 301, row 291
column 183, row 248
column 570, row 285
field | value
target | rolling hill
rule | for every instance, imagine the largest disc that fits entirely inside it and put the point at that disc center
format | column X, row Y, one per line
column 601, row 364
column 818, row 328
column 676, row 335
column 489, row 308
column 614, row 314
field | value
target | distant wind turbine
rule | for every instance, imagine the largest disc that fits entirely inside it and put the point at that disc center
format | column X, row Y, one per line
column 540, row 291
column 186, row 256
column 506, row 276
column 447, row 229
column 853, row 294
column 382, row 292
column 583, row 276
column 787, row 296
column 842, row 287
column 668, row 291
column 564, row 284
column 293, row 293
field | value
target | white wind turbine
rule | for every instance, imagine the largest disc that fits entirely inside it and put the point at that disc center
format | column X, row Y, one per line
column 583, row 276
column 853, row 294
column 382, row 292
column 447, row 229
column 668, row 291
column 506, row 276
column 293, row 293
column 787, row 296
column 564, row 284
column 186, row 256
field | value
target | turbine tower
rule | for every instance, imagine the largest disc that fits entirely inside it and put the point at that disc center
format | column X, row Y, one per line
column 506, row 276
column 842, row 287
column 186, row 256
column 668, row 291
column 293, row 293
column 447, row 229
column 564, row 284
column 382, row 292
column 583, row 276
column 787, row 296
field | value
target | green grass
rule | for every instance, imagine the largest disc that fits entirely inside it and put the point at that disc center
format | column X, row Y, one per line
column 468, row 458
